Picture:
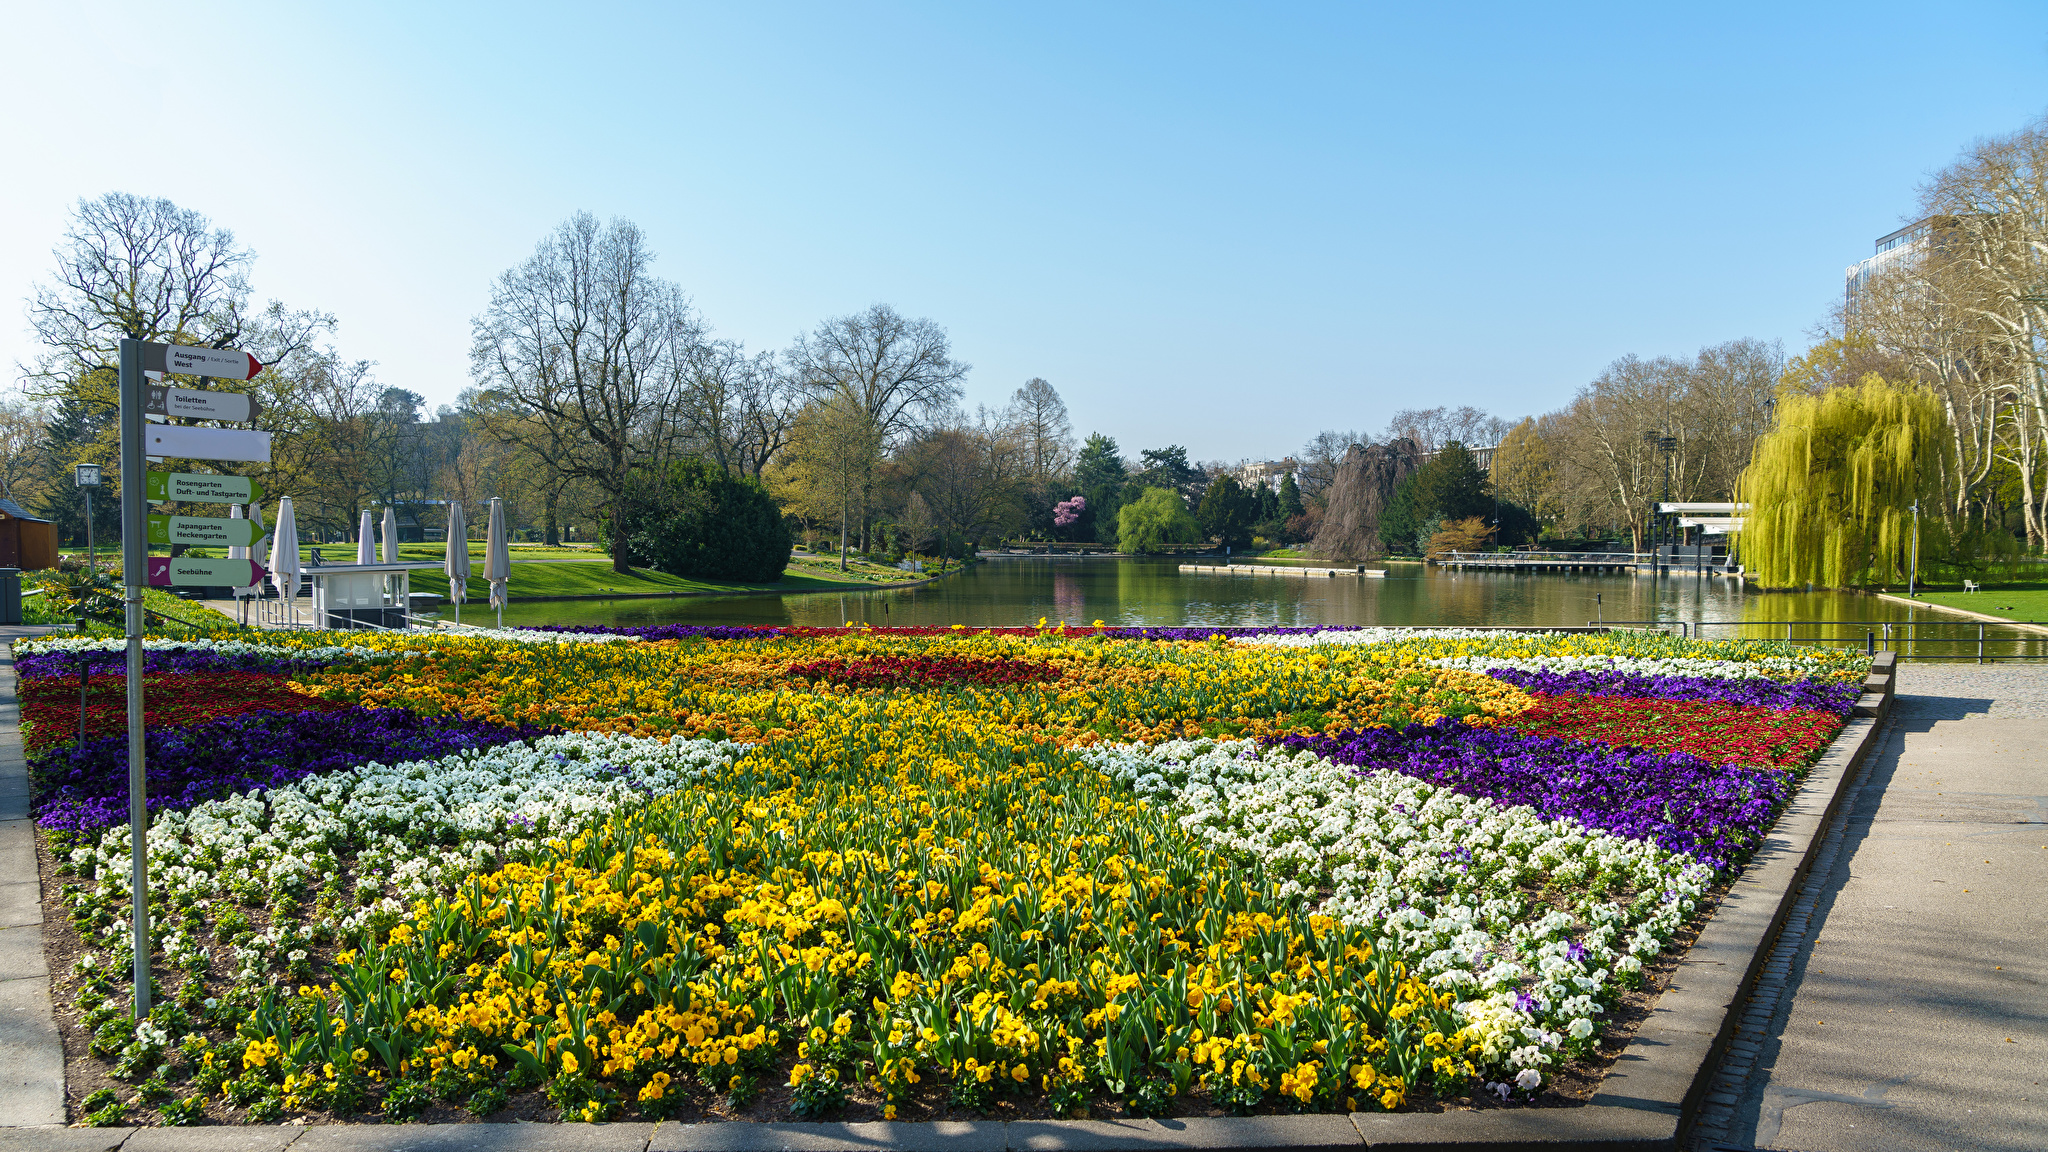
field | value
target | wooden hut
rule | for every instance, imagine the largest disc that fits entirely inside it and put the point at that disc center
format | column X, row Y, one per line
column 26, row 542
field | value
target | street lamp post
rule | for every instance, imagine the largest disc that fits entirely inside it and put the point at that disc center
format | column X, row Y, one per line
column 1667, row 446
column 87, row 476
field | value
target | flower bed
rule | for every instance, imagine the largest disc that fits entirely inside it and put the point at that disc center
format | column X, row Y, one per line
column 85, row 787
column 917, row 873
column 50, row 705
column 1732, row 733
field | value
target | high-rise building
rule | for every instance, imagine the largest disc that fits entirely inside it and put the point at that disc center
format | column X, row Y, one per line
column 1915, row 239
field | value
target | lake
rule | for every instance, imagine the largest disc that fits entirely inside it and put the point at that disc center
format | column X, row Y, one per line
column 1078, row 590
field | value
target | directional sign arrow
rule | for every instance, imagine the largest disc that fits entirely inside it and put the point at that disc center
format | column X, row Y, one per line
column 165, row 571
column 192, row 443
column 222, row 363
column 201, row 488
column 214, row 531
column 193, row 404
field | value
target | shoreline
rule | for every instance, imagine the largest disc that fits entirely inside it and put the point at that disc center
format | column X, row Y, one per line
column 2028, row 625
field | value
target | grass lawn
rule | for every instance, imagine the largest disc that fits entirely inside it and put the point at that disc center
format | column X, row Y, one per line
column 598, row 579
column 2025, row 602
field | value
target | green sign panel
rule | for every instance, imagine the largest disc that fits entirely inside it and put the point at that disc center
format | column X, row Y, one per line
column 212, row 530
column 202, row 488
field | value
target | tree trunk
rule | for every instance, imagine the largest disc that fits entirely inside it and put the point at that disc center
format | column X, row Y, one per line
column 621, row 562
column 842, row 529
column 554, row 528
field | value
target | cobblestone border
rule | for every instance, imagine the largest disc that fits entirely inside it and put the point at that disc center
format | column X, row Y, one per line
column 1646, row 1102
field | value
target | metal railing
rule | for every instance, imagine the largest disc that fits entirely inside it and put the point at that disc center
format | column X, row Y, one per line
column 1553, row 557
column 1909, row 639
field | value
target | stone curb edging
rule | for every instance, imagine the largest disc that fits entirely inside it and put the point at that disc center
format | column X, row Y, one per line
column 1646, row 1102
column 31, row 1051
column 1965, row 613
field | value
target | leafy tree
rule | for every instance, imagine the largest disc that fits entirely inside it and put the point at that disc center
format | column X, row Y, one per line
column 1451, row 485
column 1168, row 467
column 1100, row 474
column 1157, row 517
column 1466, row 535
column 701, row 522
column 1227, row 512
column 1401, row 519
column 1290, row 497
column 1517, row 525
column 1832, row 487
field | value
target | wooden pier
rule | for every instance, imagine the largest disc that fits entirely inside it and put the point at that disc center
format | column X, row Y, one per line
column 1602, row 562
column 1281, row 570
column 1637, row 563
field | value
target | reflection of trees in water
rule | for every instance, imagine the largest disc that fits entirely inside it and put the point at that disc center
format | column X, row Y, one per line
column 1131, row 592
column 1067, row 601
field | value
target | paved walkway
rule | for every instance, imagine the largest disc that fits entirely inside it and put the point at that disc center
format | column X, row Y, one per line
column 31, row 1054
column 1907, row 1005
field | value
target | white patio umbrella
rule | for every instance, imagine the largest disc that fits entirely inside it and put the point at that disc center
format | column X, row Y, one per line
column 456, row 560
column 497, row 558
column 284, row 558
column 366, row 545
column 390, row 535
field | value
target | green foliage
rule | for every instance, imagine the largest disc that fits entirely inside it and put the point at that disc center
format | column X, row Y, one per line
column 1832, row 487
column 1157, row 517
column 701, row 523
column 183, row 1113
column 1098, row 466
column 1228, row 511
column 1451, row 485
column 1518, row 525
column 103, row 1109
column 1168, row 467
column 405, row 1100
column 1290, row 497
column 93, row 595
column 1400, row 521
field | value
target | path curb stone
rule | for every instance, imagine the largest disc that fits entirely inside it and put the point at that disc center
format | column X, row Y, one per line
column 31, row 1052
column 1646, row 1103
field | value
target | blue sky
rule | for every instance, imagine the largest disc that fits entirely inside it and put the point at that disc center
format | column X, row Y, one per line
column 1220, row 226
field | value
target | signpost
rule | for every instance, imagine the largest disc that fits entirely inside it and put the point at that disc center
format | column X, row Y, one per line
column 207, row 531
column 206, row 443
column 221, row 363
column 166, row 572
column 191, row 402
column 141, row 439
column 202, row 488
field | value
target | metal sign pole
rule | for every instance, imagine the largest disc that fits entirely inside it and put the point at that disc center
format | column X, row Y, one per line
column 134, row 570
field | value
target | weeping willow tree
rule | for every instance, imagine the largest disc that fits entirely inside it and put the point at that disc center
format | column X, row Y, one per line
column 1831, row 486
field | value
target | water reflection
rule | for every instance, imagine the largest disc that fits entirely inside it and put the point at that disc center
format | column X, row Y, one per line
column 1138, row 592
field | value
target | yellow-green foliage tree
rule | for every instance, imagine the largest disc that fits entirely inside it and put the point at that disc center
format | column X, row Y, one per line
column 1831, row 486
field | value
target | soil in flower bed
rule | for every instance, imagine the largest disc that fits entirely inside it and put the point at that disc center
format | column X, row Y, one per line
column 50, row 711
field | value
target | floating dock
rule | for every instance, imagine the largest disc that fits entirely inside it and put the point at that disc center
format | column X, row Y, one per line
column 1279, row 570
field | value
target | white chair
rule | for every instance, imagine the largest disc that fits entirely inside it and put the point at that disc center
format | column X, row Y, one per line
column 1971, row 586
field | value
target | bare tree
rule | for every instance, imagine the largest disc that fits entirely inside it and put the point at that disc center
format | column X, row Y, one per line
column 738, row 408
column 892, row 373
column 1039, row 419
column 595, row 349
column 144, row 269
column 1319, row 461
column 22, row 459
column 1435, row 427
